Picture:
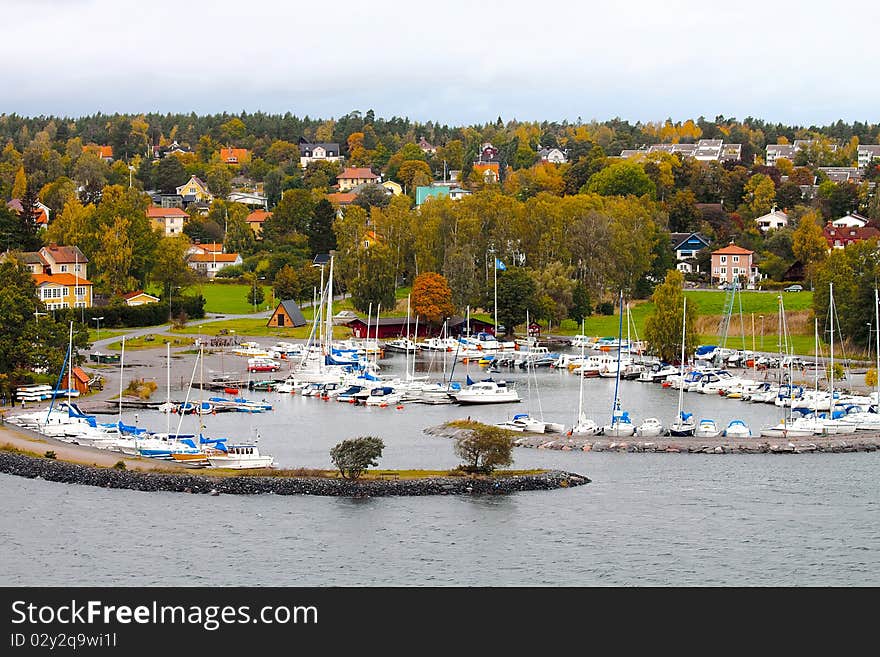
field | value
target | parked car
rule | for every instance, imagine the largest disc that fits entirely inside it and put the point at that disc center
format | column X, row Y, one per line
column 794, row 288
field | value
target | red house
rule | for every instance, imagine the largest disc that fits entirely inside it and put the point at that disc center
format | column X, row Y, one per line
column 395, row 327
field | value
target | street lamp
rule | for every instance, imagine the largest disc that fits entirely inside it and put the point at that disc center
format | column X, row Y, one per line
column 98, row 328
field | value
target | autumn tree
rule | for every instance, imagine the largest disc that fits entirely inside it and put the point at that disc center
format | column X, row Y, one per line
column 555, row 282
column 808, row 242
column 169, row 264
column 114, row 257
column 621, row 179
column 374, row 281
column 414, row 173
column 663, row 328
column 432, row 298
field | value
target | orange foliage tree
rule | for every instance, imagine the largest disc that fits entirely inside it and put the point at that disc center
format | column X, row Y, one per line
column 432, row 298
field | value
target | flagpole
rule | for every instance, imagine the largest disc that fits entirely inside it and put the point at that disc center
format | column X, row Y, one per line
column 495, row 269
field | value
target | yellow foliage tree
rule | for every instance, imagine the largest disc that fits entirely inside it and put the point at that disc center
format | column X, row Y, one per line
column 19, row 187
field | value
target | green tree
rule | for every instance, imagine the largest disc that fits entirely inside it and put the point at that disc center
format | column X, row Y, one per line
column 516, row 295
column 219, row 180
column 169, row 266
column 581, row 306
column 255, row 293
column 556, row 283
column 663, row 328
column 432, row 298
column 759, row 193
column 483, row 448
column 114, row 257
column 170, row 174
column 622, row 179
column 354, row 456
column 374, row 283
column 239, row 236
column 291, row 216
column 320, row 230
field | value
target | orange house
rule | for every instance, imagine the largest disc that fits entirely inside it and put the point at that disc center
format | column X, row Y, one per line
column 733, row 262
column 235, row 155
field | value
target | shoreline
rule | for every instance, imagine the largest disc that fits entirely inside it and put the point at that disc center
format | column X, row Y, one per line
column 93, row 467
column 855, row 442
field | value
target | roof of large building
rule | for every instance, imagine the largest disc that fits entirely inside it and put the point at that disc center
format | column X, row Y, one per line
column 355, row 173
column 214, row 257
column 65, row 254
column 732, row 249
column 258, row 216
column 232, row 155
column 59, row 279
column 154, row 212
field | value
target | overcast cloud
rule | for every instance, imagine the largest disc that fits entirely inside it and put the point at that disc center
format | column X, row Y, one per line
column 453, row 61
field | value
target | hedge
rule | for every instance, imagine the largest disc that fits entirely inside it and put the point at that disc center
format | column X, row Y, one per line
column 151, row 314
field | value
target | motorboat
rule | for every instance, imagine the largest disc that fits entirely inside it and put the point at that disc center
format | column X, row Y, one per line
column 707, row 428
column 382, row 396
column 240, row 457
column 789, row 429
column 401, row 346
column 737, row 429
column 650, row 427
column 486, row 392
column 524, row 422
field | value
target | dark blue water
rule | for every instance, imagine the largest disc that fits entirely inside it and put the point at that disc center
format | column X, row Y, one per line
column 647, row 519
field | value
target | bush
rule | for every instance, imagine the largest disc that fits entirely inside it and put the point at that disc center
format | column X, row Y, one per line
column 119, row 465
column 232, row 271
column 50, row 455
column 151, row 314
column 352, row 457
column 140, row 388
column 605, row 308
column 484, row 448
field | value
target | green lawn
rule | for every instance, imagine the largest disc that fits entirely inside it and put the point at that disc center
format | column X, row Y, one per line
column 230, row 298
column 148, row 342
column 249, row 327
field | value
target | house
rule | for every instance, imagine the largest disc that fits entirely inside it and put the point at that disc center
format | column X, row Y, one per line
column 842, row 174
column 354, row 176
column 490, row 171
column 851, row 220
column 704, row 150
column 172, row 149
column 235, row 155
column 56, row 259
column 208, row 264
column 775, row 151
column 139, row 298
column 686, row 246
column 195, row 191
column 199, row 248
column 41, row 211
column 318, row 152
column 733, row 262
column 427, row 148
column 256, row 219
column 341, row 200
column 287, row 314
column 63, row 290
column 393, row 188
column 80, row 380
column 552, row 155
column 772, row 220
column 392, row 327
column 845, row 233
column 104, row 152
column 866, row 153
column 438, row 190
column 166, row 200
column 169, row 220
column 251, row 199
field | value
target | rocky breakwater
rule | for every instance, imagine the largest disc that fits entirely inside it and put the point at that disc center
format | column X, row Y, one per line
column 857, row 442
column 35, row 467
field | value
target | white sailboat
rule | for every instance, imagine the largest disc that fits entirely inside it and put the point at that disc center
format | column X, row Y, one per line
column 583, row 426
column 621, row 423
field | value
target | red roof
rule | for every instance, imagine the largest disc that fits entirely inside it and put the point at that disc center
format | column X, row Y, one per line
column 848, row 234
column 154, row 212
column 356, row 173
column 233, row 155
column 103, row 151
column 214, row 257
column 210, row 247
column 40, row 216
column 341, row 198
column 732, row 249
column 79, row 374
column 59, row 279
column 258, row 216
column 66, row 254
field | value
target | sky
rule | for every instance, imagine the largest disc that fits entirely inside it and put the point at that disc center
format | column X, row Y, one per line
column 452, row 61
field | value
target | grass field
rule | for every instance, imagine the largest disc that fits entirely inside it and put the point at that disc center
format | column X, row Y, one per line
column 148, row 342
column 246, row 327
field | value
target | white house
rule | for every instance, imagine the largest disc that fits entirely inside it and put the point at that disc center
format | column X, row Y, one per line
column 209, row 264
column 321, row 152
column 553, row 155
column 772, row 220
column 851, row 220
column 866, row 153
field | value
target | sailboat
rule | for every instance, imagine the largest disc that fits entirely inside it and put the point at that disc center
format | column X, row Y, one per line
column 684, row 424
column 621, row 424
column 583, row 426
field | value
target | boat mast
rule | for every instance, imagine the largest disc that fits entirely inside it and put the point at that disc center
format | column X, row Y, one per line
column 681, row 363
column 369, row 316
column 329, row 332
column 619, row 336
column 581, row 383
column 168, row 388
column 69, row 364
column 877, row 350
column 831, row 368
column 121, row 366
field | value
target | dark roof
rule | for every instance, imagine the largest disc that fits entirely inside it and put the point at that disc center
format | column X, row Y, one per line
column 680, row 238
column 291, row 309
column 310, row 147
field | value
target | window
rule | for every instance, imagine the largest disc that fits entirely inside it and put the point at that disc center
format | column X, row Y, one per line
column 724, row 270
column 77, row 268
column 63, row 269
column 735, row 271
column 736, row 258
column 80, row 292
column 723, row 259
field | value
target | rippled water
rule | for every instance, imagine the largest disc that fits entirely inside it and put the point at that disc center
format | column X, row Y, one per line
column 647, row 519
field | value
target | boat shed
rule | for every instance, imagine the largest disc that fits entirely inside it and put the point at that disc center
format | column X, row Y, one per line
column 79, row 380
column 287, row 315
column 394, row 327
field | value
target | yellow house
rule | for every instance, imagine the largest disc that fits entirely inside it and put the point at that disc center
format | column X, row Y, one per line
column 393, row 187
column 63, row 291
column 194, row 190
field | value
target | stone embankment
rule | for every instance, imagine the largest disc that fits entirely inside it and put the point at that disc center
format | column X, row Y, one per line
column 857, row 442
column 35, row 467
